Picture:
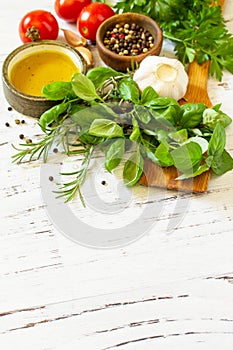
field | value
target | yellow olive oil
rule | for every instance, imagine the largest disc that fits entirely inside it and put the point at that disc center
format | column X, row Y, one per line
column 35, row 70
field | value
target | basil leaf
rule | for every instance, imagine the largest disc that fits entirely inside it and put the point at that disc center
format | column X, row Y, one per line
column 136, row 131
column 187, row 157
column 84, row 88
column 163, row 155
column 179, row 136
column 222, row 163
column 148, row 96
column 217, row 141
column 142, row 114
column 172, row 114
column 88, row 139
column 191, row 115
column 161, row 123
column 218, row 158
column 133, row 168
column 163, row 102
column 114, row 154
column 74, row 109
column 128, row 90
column 203, row 143
column 57, row 90
column 99, row 75
column 149, row 154
column 212, row 116
column 105, row 128
column 52, row 114
column 201, row 169
column 87, row 115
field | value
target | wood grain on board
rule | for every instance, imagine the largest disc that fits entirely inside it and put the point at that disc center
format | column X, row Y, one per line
column 155, row 175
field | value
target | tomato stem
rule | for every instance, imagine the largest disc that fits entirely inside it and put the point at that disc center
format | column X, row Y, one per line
column 33, row 33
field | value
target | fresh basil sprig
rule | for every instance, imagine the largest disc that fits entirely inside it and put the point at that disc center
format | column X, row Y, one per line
column 130, row 126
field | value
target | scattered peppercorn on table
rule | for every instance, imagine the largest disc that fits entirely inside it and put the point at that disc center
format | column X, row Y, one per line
column 137, row 268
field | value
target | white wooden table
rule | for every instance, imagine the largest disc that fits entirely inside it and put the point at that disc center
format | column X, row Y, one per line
column 170, row 289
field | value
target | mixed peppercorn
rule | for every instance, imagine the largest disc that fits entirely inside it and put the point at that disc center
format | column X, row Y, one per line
column 128, row 39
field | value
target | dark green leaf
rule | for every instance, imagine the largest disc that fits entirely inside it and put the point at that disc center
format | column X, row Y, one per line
column 148, row 96
column 75, row 108
column 172, row 114
column 191, row 115
column 222, row 163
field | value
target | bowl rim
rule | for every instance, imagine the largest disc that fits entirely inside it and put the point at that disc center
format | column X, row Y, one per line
column 114, row 55
column 11, row 55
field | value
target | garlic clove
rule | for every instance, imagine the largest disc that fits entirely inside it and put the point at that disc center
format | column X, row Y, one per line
column 87, row 55
column 74, row 39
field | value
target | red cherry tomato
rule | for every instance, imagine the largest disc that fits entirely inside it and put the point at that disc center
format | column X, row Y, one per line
column 38, row 25
column 70, row 9
column 91, row 18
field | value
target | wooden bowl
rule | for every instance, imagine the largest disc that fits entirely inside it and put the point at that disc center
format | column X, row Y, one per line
column 28, row 104
column 121, row 63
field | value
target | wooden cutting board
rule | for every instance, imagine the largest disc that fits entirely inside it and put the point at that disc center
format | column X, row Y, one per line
column 153, row 174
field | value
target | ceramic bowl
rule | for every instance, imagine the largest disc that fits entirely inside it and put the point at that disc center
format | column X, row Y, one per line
column 25, row 103
column 121, row 63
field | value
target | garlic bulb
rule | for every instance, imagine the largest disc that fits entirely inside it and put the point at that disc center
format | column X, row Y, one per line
column 166, row 75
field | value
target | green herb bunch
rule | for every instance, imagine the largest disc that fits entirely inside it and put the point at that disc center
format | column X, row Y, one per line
column 106, row 109
column 197, row 29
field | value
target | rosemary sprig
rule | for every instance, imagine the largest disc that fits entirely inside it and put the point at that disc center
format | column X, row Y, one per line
column 35, row 150
column 71, row 188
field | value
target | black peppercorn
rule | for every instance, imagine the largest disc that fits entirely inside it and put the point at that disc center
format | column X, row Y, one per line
column 128, row 39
